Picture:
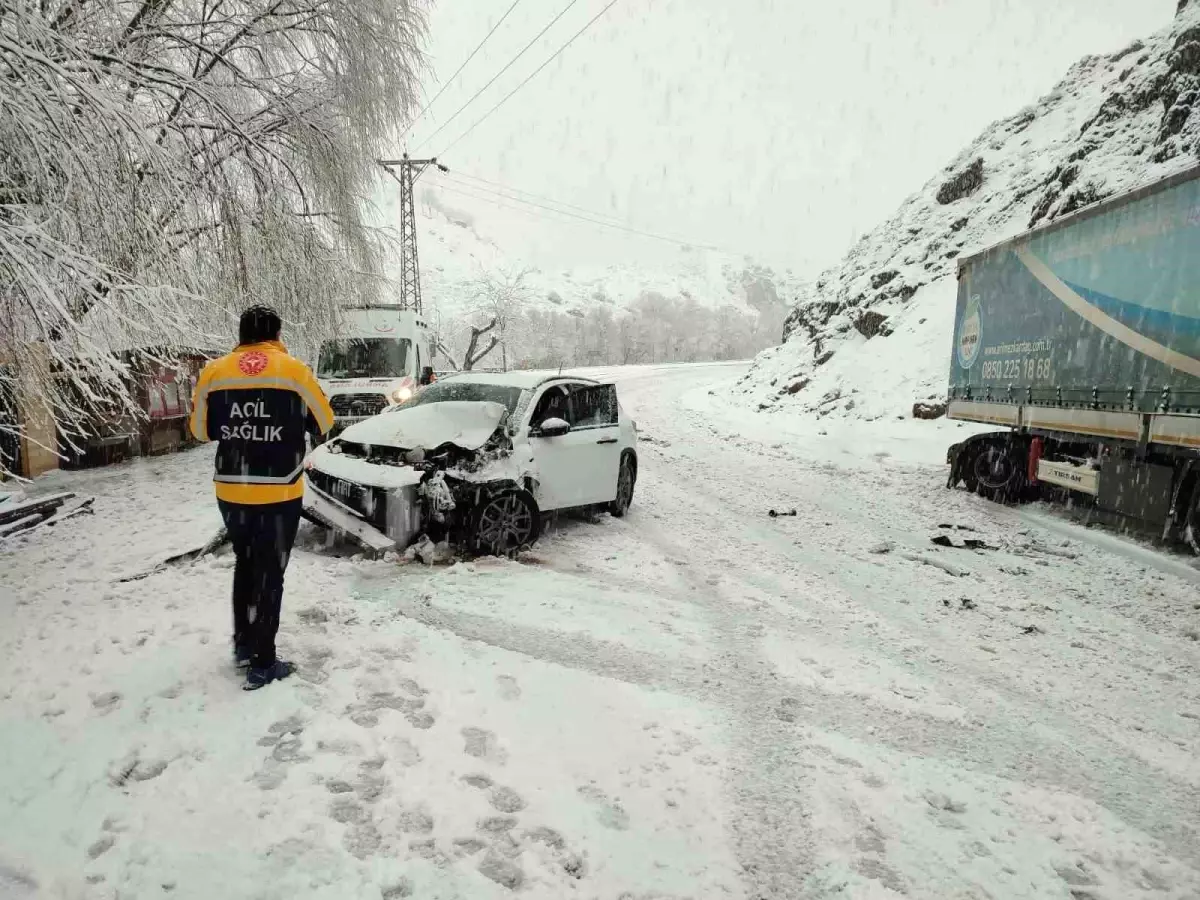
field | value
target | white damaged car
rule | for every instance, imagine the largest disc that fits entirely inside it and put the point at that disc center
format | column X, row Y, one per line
column 476, row 459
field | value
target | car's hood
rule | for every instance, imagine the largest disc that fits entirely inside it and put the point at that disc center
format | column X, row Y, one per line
column 464, row 423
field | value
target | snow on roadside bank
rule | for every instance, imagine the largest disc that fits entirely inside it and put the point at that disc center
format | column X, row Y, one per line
column 402, row 760
column 866, row 425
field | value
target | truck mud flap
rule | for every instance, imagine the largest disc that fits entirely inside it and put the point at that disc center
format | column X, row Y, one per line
column 326, row 512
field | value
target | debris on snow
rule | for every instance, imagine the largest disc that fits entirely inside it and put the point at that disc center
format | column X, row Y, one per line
column 881, row 548
column 214, row 543
column 428, row 552
column 948, row 568
column 774, row 514
column 943, row 540
column 22, row 516
column 929, row 409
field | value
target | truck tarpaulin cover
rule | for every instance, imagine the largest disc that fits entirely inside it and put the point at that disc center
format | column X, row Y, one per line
column 1108, row 301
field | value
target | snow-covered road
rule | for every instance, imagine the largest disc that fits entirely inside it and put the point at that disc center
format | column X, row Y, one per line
column 698, row 701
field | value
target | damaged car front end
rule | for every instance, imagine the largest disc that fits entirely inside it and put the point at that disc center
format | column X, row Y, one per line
column 428, row 469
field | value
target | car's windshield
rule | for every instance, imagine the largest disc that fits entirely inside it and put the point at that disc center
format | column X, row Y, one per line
column 364, row 358
column 451, row 390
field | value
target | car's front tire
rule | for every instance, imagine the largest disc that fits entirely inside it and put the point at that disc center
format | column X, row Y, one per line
column 626, row 480
column 503, row 523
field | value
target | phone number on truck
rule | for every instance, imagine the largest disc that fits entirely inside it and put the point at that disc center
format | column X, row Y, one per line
column 1018, row 370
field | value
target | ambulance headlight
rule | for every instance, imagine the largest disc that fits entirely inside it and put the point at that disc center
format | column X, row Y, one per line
column 400, row 395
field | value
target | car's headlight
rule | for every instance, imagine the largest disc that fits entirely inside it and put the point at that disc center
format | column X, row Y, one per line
column 400, row 395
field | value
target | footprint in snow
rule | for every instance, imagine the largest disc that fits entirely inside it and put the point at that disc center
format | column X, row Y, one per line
column 405, row 752
column 483, row 744
column 572, row 863
column 788, row 709
column 347, row 810
column 106, row 702
column 16, row 885
column 363, row 840
column 100, row 847
column 363, row 717
column 416, row 820
column 609, row 813
column 509, row 689
column 498, row 824
column 398, row 890
column 370, row 785
column 427, row 849
column 506, row 800
column 132, row 769
column 502, row 871
column 467, row 846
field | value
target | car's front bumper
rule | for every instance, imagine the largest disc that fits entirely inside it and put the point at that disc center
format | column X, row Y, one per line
column 326, row 511
column 380, row 518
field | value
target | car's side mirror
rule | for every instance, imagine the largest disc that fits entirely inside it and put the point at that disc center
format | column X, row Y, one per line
column 552, row 428
column 426, row 376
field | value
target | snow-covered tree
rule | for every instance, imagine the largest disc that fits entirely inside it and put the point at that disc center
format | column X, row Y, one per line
column 165, row 163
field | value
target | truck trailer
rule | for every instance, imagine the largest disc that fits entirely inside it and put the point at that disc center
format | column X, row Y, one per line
column 1082, row 339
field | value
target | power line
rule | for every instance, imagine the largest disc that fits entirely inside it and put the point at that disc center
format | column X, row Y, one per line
column 536, row 71
column 599, row 222
column 497, row 75
column 511, row 194
column 587, row 214
column 526, row 209
column 450, row 80
column 514, row 190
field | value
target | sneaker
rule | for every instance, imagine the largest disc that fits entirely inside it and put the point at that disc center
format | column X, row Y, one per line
column 241, row 657
column 257, row 678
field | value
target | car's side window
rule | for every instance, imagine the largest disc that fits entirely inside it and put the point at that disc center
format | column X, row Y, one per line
column 553, row 404
column 594, row 406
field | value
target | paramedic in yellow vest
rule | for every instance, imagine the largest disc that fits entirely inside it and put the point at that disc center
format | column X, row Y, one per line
column 259, row 403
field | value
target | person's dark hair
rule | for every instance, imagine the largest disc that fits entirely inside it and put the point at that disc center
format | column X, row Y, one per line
column 259, row 323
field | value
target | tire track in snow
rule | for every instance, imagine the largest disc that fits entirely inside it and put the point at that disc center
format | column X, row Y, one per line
column 1024, row 739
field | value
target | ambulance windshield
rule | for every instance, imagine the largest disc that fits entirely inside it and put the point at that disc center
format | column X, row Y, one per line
column 364, row 358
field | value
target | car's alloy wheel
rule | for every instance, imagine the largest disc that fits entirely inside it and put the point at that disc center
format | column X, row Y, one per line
column 625, row 483
column 505, row 522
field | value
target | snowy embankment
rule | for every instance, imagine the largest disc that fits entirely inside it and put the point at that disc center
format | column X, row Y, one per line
column 873, row 335
column 698, row 701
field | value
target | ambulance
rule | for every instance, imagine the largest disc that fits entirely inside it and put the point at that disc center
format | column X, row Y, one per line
column 383, row 357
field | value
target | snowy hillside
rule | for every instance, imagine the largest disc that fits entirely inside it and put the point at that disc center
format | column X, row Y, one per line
column 873, row 334
column 455, row 252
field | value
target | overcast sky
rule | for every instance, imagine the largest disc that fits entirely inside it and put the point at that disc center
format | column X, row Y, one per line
column 778, row 128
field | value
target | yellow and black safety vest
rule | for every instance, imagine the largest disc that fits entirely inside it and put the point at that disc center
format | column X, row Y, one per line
column 258, row 403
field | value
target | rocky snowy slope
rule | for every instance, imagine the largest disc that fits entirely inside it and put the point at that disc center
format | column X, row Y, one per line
column 873, row 334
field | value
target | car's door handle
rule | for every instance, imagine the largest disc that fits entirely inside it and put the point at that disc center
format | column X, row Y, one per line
column 608, row 441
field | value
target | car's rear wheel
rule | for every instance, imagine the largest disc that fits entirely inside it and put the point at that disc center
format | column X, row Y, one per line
column 504, row 523
column 626, row 479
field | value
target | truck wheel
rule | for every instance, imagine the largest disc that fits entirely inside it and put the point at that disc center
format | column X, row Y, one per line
column 1191, row 525
column 504, row 523
column 998, row 473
